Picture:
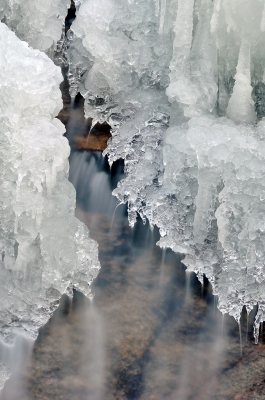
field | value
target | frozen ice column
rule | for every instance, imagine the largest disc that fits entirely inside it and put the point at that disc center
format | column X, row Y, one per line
column 241, row 106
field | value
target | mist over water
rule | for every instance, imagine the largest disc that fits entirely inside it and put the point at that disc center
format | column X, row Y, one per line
column 17, row 359
column 90, row 174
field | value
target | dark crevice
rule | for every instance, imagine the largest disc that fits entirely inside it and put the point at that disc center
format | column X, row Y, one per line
column 70, row 16
column 79, row 131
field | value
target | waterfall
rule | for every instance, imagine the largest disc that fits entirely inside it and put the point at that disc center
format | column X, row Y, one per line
column 181, row 83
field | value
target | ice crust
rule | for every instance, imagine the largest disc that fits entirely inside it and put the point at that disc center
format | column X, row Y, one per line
column 182, row 85
column 45, row 250
column 39, row 23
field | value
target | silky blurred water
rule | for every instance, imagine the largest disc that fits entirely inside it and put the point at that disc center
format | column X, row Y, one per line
column 152, row 330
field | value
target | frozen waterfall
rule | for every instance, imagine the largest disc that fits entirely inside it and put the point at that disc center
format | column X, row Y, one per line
column 182, row 85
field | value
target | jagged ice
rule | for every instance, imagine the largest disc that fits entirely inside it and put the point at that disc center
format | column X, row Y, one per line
column 45, row 250
column 182, row 85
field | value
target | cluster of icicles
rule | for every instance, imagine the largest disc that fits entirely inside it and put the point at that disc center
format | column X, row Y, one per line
column 182, row 85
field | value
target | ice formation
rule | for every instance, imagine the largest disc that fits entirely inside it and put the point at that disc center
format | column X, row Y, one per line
column 45, row 250
column 182, row 85
column 39, row 24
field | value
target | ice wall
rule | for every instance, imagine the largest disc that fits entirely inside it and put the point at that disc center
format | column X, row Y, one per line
column 45, row 250
column 182, row 85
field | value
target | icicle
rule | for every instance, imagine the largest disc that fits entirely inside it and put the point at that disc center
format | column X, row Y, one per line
column 259, row 318
column 157, row 7
column 184, row 23
column 162, row 16
column 256, row 332
column 228, row 16
column 215, row 16
column 179, row 87
column 241, row 106
column 240, row 338
column 262, row 24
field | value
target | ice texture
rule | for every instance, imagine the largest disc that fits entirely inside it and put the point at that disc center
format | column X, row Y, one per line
column 39, row 23
column 45, row 250
column 182, row 85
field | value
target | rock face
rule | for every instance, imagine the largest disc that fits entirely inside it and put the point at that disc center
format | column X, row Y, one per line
column 93, row 138
column 45, row 250
column 81, row 134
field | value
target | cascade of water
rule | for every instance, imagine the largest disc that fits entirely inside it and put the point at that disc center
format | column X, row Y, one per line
column 164, row 81
column 15, row 358
column 201, row 166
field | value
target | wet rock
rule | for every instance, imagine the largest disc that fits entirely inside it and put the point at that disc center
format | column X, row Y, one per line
column 92, row 139
column 80, row 133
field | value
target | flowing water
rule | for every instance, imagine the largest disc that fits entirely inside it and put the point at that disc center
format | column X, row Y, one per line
column 152, row 330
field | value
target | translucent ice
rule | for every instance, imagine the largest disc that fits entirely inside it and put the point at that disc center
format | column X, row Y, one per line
column 39, row 23
column 45, row 250
column 182, row 85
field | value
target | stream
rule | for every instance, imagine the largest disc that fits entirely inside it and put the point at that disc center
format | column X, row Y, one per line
column 151, row 332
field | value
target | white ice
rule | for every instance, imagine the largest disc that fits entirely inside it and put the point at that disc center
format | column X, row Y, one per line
column 182, row 85
column 44, row 250
column 39, row 23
